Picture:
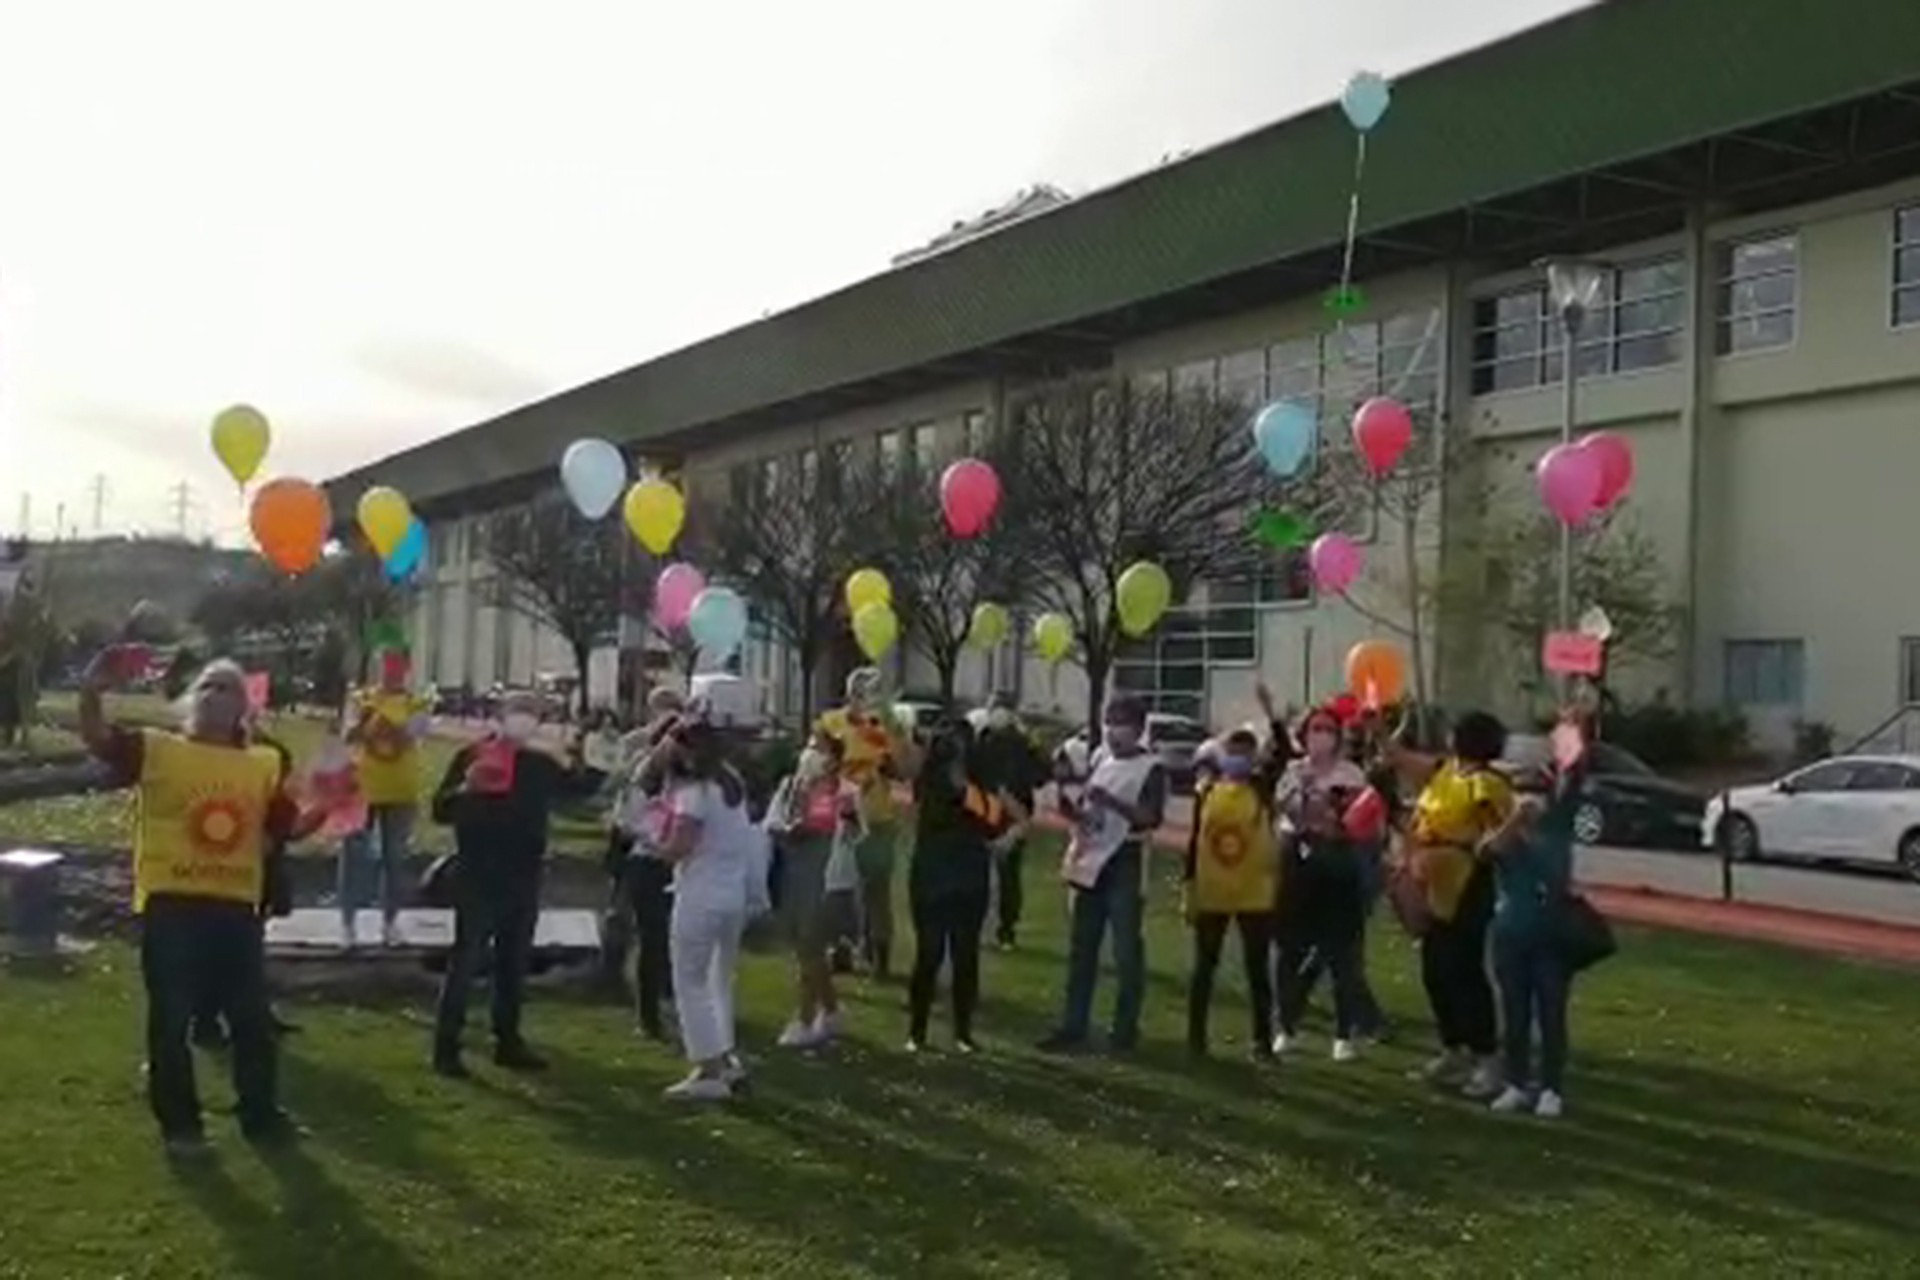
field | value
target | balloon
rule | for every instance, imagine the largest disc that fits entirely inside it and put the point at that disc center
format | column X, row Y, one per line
column 1569, row 479
column 969, row 495
column 1345, row 707
column 1280, row 530
column 290, row 519
column 990, row 626
column 1365, row 100
column 673, row 595
column 867, row 586
column 1366, row 817
column 1376, row 673
column 1336, row 561
column 240, row 440
column 1284, row 432
column 410, row 554
column 1141, row 596
column 718, row 621
column 1382, row 430
column 875, row 628
column 1616, row 465
column 1052, row 636
column 385, row 518
column 655, row 511
column 593, row 473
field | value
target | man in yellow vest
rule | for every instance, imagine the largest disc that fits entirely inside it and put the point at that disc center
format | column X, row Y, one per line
column 874, row 756
column 385, row 726
column 209, row 805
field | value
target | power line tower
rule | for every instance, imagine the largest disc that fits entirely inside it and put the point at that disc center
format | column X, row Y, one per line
column 182, row 498
column 99, row 491
column 26, row 515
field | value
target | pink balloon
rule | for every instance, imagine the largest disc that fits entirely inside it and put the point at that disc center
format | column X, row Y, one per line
column 969, row 494
column 1616, row 465
column 674, row 593
column 1335, row 560
column 1382, row 430
column 1570, row 479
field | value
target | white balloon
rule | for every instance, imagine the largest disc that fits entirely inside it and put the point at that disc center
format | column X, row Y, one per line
column 595, row 475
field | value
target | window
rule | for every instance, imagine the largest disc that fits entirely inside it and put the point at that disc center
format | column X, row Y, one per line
column 889, row 446
column 1906, row 265
column 740, row 483
column 1835, row 775
column 769, row 478
column 1169, row 667
column 1243, row 378
column 809, row 473
column 1637, row 323
column 1759, row 281
column 1200, row 377
column 924, row 456
column 1883, row 775
column 1765, row 673
column 1910, row 671
column 977, row 427
column 839, row 463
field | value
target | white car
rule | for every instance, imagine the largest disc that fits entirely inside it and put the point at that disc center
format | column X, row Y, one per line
column 1849, row 809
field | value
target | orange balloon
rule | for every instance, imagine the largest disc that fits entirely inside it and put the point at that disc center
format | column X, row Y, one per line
column 290, row 520
column 1376, row 673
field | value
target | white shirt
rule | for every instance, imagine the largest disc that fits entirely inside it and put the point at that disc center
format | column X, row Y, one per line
column 717, row 872
column 1099, row 832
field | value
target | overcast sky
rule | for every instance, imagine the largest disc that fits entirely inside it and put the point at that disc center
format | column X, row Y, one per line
column 380, row 222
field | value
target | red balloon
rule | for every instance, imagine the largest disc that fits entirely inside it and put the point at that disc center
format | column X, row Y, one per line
column 969, row 495
column 1616, row 465
column 1366, row 817
column 1569, row 479
column 1382, row 430
column 1345, row 708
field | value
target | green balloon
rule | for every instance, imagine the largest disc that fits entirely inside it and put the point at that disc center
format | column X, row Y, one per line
column 1345, row 300
column 1280, row 529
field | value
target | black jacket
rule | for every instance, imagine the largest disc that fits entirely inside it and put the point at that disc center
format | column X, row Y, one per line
column 505, row 836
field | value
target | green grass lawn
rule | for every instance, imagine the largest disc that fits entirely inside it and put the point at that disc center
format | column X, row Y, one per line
column 1733, row 1111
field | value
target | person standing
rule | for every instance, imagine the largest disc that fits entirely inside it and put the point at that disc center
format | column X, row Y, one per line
column 1007, row 760
column 1124, row 801
column 384, row 728
column 1233, row 878
column 642, row 879
column 874, row 757
column 498, row 795
column 812, row 814
column 208, row 805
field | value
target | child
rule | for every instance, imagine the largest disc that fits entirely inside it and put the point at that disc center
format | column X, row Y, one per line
column 1232, row 877
column 814, row 813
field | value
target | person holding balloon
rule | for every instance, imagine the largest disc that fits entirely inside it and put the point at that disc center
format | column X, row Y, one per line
column 873, row 755
column 1007, row 760
column 385, row 725
column 815, row 816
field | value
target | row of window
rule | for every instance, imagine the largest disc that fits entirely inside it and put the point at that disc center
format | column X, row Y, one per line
column 1640, row 318
column 915, row 449
column 1773, row 673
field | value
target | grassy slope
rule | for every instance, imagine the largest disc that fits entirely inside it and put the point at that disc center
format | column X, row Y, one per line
column 1735, row 1111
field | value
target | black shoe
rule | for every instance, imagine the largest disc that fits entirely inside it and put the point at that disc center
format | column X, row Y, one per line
column 1263, row 1054
column 517, row 1057
column 1007, row 940
column 187, row 1144
column 1198, row 1050
column 451, row 1066
column 1062, row 1043
column 842, row 959
column 965, row 1046
column 274, row 1130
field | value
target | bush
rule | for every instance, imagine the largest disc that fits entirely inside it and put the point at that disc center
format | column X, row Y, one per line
column 1669, row 737
column 1812, row 740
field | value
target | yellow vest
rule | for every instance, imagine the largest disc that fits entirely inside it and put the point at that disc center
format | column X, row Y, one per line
column 1457, row 809
column 200, row 822
column 867, row 746
column 388, row 762
column 1236, row 866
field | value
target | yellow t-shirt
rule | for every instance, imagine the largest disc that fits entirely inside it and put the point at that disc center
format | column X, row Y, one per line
column 869, row 744
column 1236, row 864
column 200, row 819
column 1457, row 809
column 387, row 759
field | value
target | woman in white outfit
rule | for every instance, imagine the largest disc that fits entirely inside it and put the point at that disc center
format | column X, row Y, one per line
column 712, row 844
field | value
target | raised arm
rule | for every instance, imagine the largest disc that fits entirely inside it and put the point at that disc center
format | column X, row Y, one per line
column 450, row 797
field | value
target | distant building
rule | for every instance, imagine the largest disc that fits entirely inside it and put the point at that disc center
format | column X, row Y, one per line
column 1025, row 204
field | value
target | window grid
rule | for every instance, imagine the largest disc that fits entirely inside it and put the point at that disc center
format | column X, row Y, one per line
column 1906, row 266
column 1910, row 671
column 1638, row 323
column 977, row 428
column 1756, row 299
column 1765, row 673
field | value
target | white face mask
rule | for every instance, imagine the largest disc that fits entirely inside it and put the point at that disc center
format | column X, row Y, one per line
column 518, row 726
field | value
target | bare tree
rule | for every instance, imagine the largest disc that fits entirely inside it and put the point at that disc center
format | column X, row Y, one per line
column 567, row 573
column 1102, row 474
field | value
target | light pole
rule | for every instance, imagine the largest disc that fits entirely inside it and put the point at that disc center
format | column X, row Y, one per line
column 1573, row 287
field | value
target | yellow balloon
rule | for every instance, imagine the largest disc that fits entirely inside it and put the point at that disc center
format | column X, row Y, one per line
column 1052, row 636
column 655, row 512
column 1143, row 594
column 865, row 587
column 876, row 628
column 240, row 440
column 385, row 517
column 990, row 626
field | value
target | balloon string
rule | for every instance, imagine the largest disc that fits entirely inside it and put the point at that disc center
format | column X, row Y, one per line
column 1353, row 214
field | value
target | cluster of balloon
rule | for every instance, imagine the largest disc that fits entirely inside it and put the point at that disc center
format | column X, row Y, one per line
column 989, row 626
column 1336, row 561
column 969, row 495
column 655, row 512
column 1376, row 673
column 1382, row 430
column 1284, row 434
column 1052, row 636
column 870, row 604
column 1141, row 597
column 717, row 621
column 411, row 555
column 594, row 474
column 1364, row 102
column 385, row 517
column 290, row 519
column 1579, row 480
column 678, row 586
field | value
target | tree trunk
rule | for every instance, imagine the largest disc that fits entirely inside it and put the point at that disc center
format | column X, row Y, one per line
column 946, row 665
column 582, row 655
column 1098, row 666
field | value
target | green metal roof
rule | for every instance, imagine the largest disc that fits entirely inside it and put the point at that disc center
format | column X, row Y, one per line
column 1604, row 85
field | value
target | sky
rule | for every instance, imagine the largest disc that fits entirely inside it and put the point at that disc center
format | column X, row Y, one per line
column 382, row 222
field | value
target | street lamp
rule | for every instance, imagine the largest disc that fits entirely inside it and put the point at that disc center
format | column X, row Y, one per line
column 1573, row 288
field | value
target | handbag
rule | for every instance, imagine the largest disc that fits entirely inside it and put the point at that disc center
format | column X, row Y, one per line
column 1582, row 934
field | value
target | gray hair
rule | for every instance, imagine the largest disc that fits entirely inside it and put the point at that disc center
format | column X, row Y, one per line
column 218, row 669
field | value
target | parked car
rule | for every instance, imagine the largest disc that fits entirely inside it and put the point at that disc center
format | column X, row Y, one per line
column 1863, row 809
column 1175, row 739
column 1623, row 802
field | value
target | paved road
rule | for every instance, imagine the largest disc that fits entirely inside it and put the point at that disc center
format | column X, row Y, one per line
column 1886, row 898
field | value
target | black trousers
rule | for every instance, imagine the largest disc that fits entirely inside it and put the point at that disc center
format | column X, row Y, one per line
column 1453, row 968
column 1324, row 931
column 496, row 919
column 649, row 884
column 1010, row 892
column 946, row 926
column 199, row 955
column 1256, row 943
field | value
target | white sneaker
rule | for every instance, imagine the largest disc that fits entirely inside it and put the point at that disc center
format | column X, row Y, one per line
column 390, row 935
column 1550, row 1106
column 734, row 1073
column 827, row 1025
column 700, row 1088
column 915, row 1047
column 1484, row 1083
column 1443, row 1068
column 348, row 939
column 1345, row 1051
column 1283, row 1044
column 1511, row 1100
column 801, row 1035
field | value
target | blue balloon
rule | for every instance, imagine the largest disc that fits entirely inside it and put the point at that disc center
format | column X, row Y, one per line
column 718, row 621
column 1365, row 100
column 1284, row 433
column 595, row 475
column 410, row 555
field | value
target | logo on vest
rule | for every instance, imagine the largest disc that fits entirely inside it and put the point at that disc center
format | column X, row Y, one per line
column 1227, row 847
column 216, row 827
column 384, row 741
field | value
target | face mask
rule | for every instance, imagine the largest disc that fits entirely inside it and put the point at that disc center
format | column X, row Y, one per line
column 999, row 718
column 518, row 726
column 1122, row 737
column 1236, row 768
column 1321, row 744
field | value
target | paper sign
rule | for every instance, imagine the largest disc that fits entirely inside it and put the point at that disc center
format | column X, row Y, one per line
column 259, row 690
column 1569, row 653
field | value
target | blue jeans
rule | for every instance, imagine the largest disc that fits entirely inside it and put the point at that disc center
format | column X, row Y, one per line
column 390, row 829
column 1534, row 989
column 1116, row 900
